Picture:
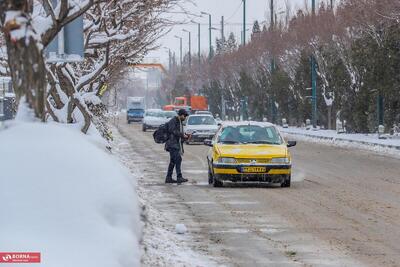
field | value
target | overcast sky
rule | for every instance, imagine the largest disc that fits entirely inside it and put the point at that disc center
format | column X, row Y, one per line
column 232, row 10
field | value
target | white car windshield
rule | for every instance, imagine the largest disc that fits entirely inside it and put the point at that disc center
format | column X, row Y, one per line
column 201, row 120
column 158, row 114
column 249, row 134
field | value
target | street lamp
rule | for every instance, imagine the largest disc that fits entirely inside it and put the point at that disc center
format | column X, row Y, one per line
column 209, row 29
column 169, row 57
column 198, row 39
column 180, row 39
column 190, row 46
column 244, row 23
column 314, row 79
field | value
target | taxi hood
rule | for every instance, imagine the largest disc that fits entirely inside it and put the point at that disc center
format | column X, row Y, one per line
column 252, row 150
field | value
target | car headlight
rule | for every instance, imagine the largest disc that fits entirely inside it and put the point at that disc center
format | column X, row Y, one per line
column 226, row 160
column 280, row 160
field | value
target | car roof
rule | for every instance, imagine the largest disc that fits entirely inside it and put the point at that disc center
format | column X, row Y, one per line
column 154, row 110
column 245, row 123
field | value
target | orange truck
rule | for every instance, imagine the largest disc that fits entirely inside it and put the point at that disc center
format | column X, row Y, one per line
column 192, row 104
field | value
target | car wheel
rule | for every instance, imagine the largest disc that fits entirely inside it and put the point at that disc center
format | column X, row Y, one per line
column 129, row 122
column 210, row 176
column 287, row 182
column 217, row 183
column 144, row 128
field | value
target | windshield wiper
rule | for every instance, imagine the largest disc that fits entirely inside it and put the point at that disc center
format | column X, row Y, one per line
column 263, row 142
column 229, row 142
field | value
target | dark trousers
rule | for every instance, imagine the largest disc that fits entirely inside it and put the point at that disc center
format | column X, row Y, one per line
column 175, row 162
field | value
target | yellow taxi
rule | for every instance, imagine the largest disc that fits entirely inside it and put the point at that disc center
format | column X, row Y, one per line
column 249, row 152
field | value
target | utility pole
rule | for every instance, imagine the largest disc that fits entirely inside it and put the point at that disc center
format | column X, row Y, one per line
column 199, row 45
column 244, row 23
column 223, row 108
column 314, row 79
column 180, row 57
column 169, row 60
column 180, row 42
column 272, row 14
column 272, row 28
column 222, row 28
column 190, row 46
column 210, row 37
column 209, row 32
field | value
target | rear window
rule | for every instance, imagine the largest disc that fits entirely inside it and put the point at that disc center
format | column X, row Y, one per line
column 201, row 120
column 154, row 114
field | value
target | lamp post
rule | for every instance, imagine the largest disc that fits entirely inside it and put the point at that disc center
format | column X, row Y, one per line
column 209, row 32
column 190, row 46
column 180, row 56
column 244, row 23
column 314, row 79
column 198, row 39
column 169, row 57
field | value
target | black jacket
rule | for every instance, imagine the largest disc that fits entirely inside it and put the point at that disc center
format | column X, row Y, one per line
column 176, row 137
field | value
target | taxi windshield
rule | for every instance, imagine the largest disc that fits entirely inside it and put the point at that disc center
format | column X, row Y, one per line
column 250, row 134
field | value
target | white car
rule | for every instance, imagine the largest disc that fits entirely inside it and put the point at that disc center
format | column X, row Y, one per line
column 201, row 127
column 154, row 118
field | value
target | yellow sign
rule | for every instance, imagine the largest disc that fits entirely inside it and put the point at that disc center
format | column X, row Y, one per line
column 103, row 89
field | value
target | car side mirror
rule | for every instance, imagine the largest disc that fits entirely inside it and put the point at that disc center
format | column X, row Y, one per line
column 208, row 142
column 291, row 143
column 219, row 124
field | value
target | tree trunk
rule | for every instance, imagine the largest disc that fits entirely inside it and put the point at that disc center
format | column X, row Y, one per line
column 25, row 55
column 329, row 117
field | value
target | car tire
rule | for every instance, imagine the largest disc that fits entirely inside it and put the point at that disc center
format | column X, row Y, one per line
column 210, row 176
column 129, row 122
column 144, row 128
column 217, row 183
column 287, row 182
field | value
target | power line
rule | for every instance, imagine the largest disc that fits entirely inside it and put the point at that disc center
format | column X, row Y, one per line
column 236, row 11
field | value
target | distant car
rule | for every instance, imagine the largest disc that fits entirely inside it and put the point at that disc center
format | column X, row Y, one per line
column 201, row 127
column 154, row 118
column 246, row 152
column 203, row 112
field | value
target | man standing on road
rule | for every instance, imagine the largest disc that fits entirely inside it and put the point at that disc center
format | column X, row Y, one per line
column 174, row 146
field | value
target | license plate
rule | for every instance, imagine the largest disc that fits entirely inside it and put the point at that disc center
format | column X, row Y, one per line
column 254, row 169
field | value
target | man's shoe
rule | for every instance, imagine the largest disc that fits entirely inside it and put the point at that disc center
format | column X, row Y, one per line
column 182, row 180
column 170, row 181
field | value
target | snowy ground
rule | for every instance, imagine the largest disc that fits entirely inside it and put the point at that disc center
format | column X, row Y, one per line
column 63, row 195
column 162, row 246
column 369, row 142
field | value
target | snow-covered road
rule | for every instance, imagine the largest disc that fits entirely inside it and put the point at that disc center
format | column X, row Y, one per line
column 344, row 210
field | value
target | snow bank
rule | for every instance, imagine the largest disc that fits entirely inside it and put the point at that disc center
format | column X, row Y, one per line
column 66, row 198
column 361, row 141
